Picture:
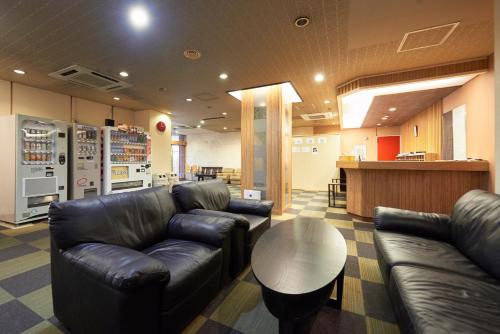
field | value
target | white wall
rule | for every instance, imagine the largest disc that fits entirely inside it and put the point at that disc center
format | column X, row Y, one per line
column 214, row 149
column 314, row 171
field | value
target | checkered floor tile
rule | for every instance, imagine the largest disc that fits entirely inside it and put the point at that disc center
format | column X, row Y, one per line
column 26, row 303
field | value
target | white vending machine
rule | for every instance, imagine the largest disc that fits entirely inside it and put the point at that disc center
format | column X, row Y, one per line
column 126, row 159
column 33, row 167
column 85, row 161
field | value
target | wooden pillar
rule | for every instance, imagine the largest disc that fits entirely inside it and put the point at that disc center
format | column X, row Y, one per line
column 247, row 129
column 270, row 105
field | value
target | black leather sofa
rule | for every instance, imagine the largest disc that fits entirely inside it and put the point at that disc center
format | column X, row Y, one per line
column 212, row 198
column 443, row 273
column 128, row 263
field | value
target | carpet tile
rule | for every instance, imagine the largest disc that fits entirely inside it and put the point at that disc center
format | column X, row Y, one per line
column 26, row 301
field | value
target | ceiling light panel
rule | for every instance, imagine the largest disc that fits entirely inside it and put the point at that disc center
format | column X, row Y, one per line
column 355, row 106
column 288, row 90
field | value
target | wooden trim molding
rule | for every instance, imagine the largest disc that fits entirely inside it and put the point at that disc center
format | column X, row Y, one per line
column 462, row 166
column 465, row 67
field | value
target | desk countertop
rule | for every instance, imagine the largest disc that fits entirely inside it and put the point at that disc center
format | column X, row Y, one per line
column 443, row 165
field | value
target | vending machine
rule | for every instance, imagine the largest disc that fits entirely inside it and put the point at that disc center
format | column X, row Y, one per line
column 33, row 167
column 85, row 161
column 126, row 159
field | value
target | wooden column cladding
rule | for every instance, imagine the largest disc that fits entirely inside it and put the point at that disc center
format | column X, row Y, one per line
column 429, row 135
column 247, row 140
column 278, row 155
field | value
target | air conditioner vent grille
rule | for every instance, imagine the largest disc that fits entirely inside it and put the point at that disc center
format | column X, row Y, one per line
column 89, row 78
column 317, row 116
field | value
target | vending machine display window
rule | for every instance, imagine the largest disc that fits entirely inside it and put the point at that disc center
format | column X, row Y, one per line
column 38, row 140
column 128, row 148
column 126, row 159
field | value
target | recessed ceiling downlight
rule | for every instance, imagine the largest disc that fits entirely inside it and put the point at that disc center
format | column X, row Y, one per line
column 192, row 54
column 138, row 17
column 302, row 21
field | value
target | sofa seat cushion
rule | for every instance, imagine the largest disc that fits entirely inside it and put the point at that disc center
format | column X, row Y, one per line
column 191, row 264
column 239, row 220
column 402, row 249
column 258, row 225
column 431, row 301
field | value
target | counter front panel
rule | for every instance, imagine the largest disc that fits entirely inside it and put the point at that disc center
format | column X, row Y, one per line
column 419, row 186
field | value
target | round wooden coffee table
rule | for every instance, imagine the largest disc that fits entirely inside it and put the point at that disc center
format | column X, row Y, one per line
column 297, row 265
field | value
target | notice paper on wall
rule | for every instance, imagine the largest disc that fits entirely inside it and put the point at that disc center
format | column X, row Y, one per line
column 322, row 140
column 315, row 150
column 306, row 149
column 309, row 140
column 360, row 151
column 298, row 141
column 295, row 149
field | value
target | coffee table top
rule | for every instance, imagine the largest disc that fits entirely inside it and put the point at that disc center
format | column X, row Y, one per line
column 299, row 257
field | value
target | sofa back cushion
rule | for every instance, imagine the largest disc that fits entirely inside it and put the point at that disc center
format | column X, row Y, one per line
column 209, row 195
column 475, row 229
column 135, row 219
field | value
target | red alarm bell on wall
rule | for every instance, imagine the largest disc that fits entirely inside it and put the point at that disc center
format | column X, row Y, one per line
column 161, row 126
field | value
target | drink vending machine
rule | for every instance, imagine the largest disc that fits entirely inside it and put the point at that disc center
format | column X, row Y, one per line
column 126, row 160
column 85, row 161
column 34, row 163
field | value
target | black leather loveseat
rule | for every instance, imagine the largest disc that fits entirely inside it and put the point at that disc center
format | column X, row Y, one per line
column 443, row 273
column 127, row 263
column 212, row 198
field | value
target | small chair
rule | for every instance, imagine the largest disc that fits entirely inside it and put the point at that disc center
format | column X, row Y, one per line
column 334, row 189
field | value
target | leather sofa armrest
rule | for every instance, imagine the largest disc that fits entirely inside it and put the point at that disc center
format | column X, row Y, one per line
column 239, row 220
column 433, row 225
column 206, row 229
column 251, row 206
column 121, row 268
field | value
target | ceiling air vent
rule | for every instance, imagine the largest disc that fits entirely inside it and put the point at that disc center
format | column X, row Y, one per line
column 192, row 54
column 317, row 116
column 183, row 126
column 89, row 78
column 426, row 38
column 206, row 97
column 212, row 118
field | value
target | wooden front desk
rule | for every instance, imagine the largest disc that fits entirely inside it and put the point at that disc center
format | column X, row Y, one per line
column 421, row 186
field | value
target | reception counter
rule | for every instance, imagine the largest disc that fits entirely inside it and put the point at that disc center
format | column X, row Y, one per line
column 430, row 186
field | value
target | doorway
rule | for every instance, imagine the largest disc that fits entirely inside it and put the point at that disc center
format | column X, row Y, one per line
column 179, row 156
column 387, row 148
